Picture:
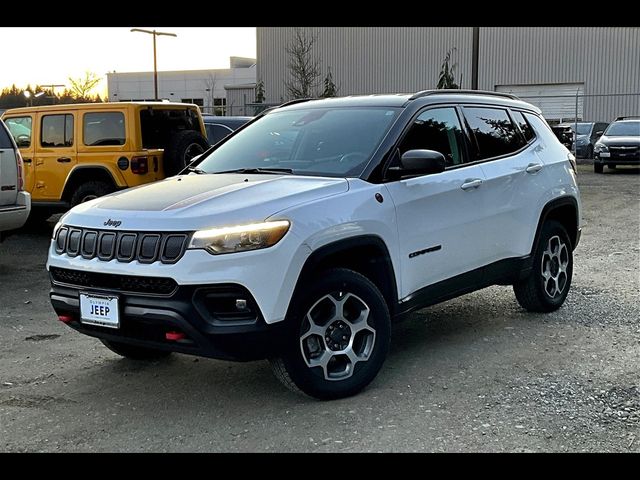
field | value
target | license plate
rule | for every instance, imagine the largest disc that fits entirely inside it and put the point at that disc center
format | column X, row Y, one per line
column 101, row 310
column 604, row 155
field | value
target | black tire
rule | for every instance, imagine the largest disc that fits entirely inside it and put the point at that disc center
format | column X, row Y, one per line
column 182, row 147
column 291, row 367
column 598, row 167
column 90, row 190
column 533, row 293
column 135, row 353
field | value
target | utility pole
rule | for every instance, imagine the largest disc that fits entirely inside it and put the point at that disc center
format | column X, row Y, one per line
column 155, row 63
column 474, row 58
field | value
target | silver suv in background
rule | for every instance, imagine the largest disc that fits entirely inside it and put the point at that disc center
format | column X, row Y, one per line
column 15, row 203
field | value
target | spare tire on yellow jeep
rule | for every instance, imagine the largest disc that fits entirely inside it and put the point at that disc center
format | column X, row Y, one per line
column 181, row 149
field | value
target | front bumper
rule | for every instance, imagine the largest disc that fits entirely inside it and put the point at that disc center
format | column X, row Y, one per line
column 145, row 321
column 613, row 159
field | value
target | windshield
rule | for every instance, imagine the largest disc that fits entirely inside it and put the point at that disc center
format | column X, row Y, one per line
column 623, row 129
column 583, row 128
column 333, row 142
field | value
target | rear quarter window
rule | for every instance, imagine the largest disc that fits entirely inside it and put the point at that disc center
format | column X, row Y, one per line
column 103, row 128
column 525, row 128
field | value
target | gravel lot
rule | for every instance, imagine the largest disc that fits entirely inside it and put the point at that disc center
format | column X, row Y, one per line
column 473, row 374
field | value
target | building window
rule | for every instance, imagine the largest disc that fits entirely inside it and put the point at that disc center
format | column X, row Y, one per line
column 196, row 101
column 219, row 106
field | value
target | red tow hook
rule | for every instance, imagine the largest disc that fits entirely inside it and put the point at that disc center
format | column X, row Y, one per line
column 175, row 336
column 65, row 318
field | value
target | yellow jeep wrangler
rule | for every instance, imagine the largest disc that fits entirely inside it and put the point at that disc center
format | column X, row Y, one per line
column 74, row 153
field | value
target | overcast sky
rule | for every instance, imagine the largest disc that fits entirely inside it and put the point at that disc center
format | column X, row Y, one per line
column 51, row 55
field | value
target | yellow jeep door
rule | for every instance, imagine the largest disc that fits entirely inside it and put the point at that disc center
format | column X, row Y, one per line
column 21, row 127
column 55, row 155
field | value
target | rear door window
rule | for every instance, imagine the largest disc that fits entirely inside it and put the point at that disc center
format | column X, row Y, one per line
column 57, row 131
column 494, row 132
column 103, row 128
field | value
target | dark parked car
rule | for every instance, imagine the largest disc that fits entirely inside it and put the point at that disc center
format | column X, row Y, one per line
column 564, row 133
column 619, row 145
column 219, row 127
column 588, row 135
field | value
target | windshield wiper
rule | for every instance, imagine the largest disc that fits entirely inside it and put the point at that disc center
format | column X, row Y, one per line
column 197, row 170
column 259, row 170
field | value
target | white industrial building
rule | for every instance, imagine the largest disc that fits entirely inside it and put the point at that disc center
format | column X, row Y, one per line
column 551, row 67
column 222, row 91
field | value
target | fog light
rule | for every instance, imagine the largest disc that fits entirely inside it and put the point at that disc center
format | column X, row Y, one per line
column 241, row 304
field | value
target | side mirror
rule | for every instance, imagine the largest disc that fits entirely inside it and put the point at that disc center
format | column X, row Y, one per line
column 23, row 141
column 422, row 162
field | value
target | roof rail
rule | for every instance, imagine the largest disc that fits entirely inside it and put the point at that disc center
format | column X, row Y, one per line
column 452, row 91
column 626, row 117
column 285, row 104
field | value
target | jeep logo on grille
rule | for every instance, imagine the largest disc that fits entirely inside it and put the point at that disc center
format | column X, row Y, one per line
column 112, row 223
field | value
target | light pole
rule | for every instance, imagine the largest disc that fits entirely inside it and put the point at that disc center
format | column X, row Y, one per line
column 155, row 67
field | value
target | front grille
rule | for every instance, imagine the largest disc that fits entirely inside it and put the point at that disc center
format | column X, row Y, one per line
column 628, row 150
column 108, row 281
column 145, row 247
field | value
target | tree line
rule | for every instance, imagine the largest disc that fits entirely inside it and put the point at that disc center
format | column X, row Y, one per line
column 78, row 91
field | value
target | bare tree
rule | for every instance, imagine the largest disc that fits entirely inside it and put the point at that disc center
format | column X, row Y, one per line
column 81, row 87
column 210, row 87
column 304, row 68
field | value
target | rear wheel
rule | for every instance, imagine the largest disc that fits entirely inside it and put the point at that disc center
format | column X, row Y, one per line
column 133, row 352
column 547, row 286
column 598, row 167
column 89, row 191
column 339, row 336
column 182, row 148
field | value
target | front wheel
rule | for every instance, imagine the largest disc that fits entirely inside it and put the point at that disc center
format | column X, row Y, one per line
column 546, row 288
column 598, row 167
column 90, row 191
column 339, row 336
column 135, row 353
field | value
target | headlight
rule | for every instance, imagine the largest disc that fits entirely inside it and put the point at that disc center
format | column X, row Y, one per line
column 240, row 238
column 600, row 147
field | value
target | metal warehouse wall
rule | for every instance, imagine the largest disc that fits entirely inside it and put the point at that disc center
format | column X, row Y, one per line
column 367, row 59
column 605, row 59
column 397, row 59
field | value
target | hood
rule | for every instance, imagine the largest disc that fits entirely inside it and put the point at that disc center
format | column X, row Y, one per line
column 613, row 141
column 190, row 202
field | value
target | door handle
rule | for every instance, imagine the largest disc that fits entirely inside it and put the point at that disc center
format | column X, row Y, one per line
column 64, row 159
column 471, row 183
column 533, row 168
column 26, row 160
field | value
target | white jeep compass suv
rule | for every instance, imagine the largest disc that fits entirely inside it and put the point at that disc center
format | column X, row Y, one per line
column 305, row 233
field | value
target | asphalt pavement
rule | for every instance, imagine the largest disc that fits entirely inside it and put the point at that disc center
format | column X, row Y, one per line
column 477, row 373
